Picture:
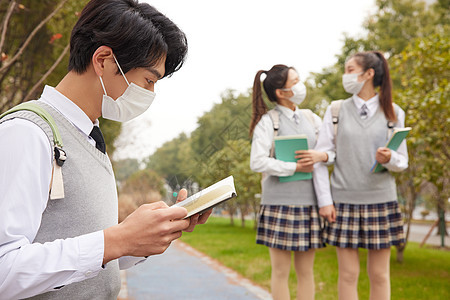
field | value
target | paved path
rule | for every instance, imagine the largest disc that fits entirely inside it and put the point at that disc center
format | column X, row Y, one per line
column 419, row 231
column 200, row 278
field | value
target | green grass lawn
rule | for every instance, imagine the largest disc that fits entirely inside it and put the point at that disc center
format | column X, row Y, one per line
column 425, row 273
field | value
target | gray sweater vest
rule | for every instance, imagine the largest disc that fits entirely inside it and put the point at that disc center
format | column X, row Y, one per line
column 90, row 205
column 300, row 192
column 356, row 144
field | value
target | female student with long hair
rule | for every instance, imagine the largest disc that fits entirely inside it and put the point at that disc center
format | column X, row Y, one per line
column 367, row 212
column 288, row 220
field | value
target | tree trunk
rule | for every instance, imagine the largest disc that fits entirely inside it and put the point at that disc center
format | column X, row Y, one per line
column 400, row 253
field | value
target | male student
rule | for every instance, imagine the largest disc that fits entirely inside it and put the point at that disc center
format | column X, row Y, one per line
column 72, row 247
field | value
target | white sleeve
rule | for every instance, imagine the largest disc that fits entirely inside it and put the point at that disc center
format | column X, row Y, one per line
column 260, row 151
column 28, row 268
column 399, row 158
column 325, row 140
column 321, row 183
column 320, row 173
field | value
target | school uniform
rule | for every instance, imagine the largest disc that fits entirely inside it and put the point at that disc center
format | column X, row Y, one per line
column 288, row 217
column 55, row 248
column 367, row 211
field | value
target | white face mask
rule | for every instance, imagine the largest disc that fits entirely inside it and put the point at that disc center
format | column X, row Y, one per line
column 351, row 83
column 299, row 91
column 133, row 102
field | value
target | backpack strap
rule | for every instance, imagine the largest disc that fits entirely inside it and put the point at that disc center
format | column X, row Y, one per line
column 335, row 108
column 390, row 124
column 275, row 117
column 56, row 189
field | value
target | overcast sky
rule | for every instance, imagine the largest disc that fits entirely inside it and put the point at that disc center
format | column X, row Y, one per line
column 229, row 41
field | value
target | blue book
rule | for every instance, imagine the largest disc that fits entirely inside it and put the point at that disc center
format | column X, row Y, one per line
column 394, row 142
column 285, row 147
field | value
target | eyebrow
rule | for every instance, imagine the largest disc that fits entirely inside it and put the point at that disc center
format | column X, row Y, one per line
column 154, row 72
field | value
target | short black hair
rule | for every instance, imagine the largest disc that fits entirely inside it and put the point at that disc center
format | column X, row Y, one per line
column 139, row 35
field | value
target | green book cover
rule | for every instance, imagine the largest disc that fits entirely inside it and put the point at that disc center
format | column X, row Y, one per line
column 394, row 142
column 285, row 147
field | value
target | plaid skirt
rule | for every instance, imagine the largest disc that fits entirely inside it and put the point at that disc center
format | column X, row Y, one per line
column 289, row 227
column 371, row 226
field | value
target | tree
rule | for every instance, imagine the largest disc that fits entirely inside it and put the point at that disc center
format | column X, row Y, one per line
column 145, row 186
column 124, row 168
column 228, row 120
column 34, row 44
column 174, row 162
column 422, row 69
column 234, row 159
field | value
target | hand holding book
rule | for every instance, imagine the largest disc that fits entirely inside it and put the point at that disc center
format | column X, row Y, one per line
column 206, row 199
column 194, row 219
column 384, row 153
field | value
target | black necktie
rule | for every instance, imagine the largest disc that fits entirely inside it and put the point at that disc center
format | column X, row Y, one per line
column 97, row 135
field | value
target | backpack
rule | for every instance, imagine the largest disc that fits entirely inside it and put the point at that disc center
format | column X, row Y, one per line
column 275, row 117
column 56, row 188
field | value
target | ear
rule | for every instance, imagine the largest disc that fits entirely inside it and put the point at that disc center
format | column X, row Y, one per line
column 98, row 59
column 370, row 73
column 279, row 93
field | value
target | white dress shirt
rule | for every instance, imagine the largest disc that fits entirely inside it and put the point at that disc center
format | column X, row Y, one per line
column 260, row 152
column 26, row 159
column 326, row 140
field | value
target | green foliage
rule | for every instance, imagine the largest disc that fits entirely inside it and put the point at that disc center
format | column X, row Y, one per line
column 234, row 159
column 125, row 168
column 142, row 183
column 41, row 53
column 228, row 120
column 422, row 70
column 173, row 161
column 390, row 29
column 424, row 274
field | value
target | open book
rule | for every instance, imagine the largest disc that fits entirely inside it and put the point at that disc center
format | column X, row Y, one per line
column 285, row 147
column 208, row 198
column 394, row 142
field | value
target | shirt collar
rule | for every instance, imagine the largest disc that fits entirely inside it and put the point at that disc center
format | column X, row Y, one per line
column 372, row 103
column 68, row 109
column 287, row 111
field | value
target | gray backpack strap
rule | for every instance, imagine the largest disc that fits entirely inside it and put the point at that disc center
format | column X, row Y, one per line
column 335, row 107
column 310, row 116
column 275, row 117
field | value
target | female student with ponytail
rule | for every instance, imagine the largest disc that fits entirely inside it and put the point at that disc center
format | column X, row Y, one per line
column 367, row 212
column 288, row 220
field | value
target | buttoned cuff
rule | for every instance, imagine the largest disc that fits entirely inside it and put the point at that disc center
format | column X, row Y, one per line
column 394, row 164
column 91, row 250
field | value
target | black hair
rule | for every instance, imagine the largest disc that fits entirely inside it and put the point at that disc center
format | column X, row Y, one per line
column 376, row 61
column 275, row 79
column 139, row 35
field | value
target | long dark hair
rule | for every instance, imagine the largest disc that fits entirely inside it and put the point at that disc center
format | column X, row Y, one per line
column 275, row 79
column 382, row 79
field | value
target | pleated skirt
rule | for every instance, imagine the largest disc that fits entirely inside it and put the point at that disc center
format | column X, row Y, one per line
column 288, row 227
column 371, row 226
